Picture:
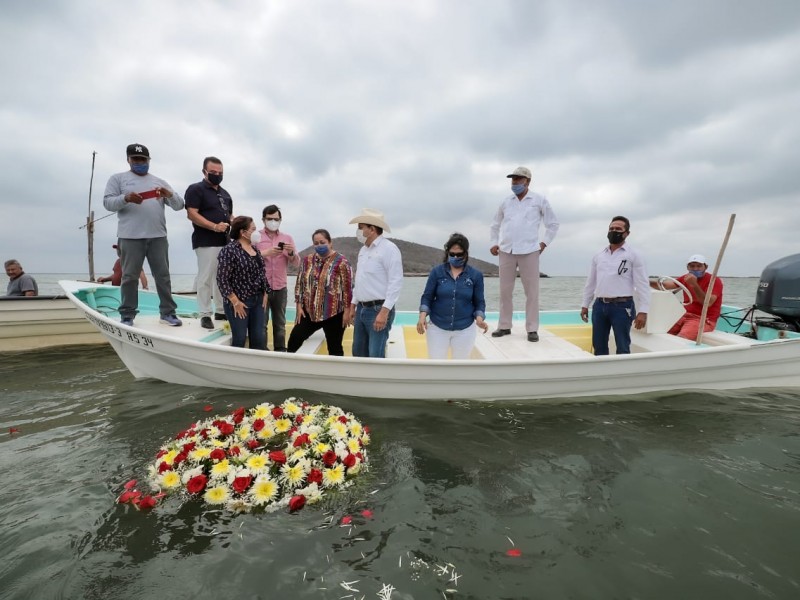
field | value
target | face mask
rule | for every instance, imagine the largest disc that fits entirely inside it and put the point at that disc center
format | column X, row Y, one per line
column 518, row 188
column 321, row 250
column 213, row 178
column 456, row 262
column 616, row 237
column 255, row 237
column 698, row 274
column 140, row 168
column 362, row 239
column 272, row 225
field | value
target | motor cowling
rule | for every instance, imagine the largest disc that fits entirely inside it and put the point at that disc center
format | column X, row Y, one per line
column 779, row 289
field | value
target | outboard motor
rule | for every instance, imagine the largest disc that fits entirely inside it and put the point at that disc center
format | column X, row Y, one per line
column 779, row 293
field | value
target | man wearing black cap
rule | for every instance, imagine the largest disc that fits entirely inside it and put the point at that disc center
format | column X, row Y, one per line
column 138, row 198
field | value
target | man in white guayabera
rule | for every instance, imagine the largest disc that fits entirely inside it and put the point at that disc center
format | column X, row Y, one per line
column 138, row 198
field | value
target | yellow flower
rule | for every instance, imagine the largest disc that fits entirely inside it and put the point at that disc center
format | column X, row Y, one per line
column 169, row 456
column 261, row 411
column 353, row 445
column 355, row 428
column 264, row 490
column 365, row 439
column 244, row 432
column 216, row 495
column 283, row 425
column 321, row 448
column 199, row 454
column 293, row 475
column 297, row 455
column 333, row 477
column 339, row 428
column 219, row 443
column 291, row 408
column 221, row 468
column 257, row 462
column 170, row 480
column 265, row 433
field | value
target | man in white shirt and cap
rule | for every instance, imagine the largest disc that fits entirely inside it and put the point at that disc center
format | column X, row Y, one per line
column 378, row 281
column 514, row 236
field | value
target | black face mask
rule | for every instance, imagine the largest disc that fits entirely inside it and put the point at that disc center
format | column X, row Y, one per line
column 616, row 237
column 214, row 179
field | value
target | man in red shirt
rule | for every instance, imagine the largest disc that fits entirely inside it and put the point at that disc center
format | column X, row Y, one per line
column 696, row 281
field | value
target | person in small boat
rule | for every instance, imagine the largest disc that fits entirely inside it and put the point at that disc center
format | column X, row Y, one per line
column 279, row 251
column 116, row 273
column 453, row 297
column 243, row 285
column 514, row 236
column 322, row 294
column 138, row 197
column 697, row 280
column 19, row 282
column 617, row 276
column 378, row 281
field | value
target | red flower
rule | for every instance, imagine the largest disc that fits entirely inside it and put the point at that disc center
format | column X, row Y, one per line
column 240, row 484
column 238, row 415
column 301, row 439
column 129, row 496
column 277, row 412
column 314, row 476
column 366, row 513
column 12, row 430
column 252, row 444
column 277, row 456
column 179, row 458
column 291, row 431
column 235, row 451
column 146, row 503
column 189, row 447
column 329, row 458
column 203, row 433
column 161, row 453
column 349, row 461
column 366, row 429
column 196, row 484
column 299, row 419
column 164, row 467
column 208, row 408
column 342, row 419
column 130, row 485
column 514, row 552
column 347, row 520
column 217, row 454
column 225, row 428
column 296, row 503
column 258, row 424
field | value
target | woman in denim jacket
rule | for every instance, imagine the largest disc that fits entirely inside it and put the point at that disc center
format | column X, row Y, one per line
column 453, row 298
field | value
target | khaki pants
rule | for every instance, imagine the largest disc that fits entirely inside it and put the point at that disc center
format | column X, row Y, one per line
column 528, row 265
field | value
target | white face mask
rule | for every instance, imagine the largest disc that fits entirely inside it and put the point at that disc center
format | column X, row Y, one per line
column 255, row 237
column 362, row 239
column 272, row 225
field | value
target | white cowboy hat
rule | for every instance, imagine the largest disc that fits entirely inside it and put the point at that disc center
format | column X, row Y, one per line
column 370, row 216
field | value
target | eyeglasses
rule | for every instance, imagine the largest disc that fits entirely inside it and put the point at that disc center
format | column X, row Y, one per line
column 456, row 254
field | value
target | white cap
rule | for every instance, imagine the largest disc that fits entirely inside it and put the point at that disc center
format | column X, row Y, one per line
column 520, row 172
column 697, row 258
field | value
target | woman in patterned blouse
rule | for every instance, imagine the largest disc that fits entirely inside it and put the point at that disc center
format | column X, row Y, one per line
column 243, row 286
column 323, row 291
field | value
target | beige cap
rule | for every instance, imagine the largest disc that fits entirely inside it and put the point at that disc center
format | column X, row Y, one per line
column 370, row 216
column 520, row 172
column 697, row 258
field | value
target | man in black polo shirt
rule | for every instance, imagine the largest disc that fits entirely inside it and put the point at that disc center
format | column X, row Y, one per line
column 210, row 209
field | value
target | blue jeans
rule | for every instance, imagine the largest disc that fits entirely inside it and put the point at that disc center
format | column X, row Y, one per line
column 252, row 325
column 366, row 341
column 618, row 316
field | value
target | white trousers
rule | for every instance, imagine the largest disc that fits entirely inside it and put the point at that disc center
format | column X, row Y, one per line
column 528, row 265
column 207, row 280
column 460, row 343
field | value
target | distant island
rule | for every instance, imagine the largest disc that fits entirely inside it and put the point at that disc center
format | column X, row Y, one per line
column 417, row 259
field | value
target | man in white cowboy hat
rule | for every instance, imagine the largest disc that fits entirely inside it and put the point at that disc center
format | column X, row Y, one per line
column 696, row 280
column 514, row 236
column 379, row 278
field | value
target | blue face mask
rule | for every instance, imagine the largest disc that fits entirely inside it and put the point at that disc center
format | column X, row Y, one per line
column 518, row 188
column 321, row 250
column 140, row 168
column 456, row 262
column 698, row 274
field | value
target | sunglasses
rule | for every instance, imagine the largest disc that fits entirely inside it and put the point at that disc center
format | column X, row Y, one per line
column 456, row 254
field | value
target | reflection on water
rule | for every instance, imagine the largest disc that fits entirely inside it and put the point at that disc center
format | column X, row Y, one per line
column 666, row 496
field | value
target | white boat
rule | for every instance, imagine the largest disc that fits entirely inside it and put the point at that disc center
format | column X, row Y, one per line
column 30, row 323
column 510, row 368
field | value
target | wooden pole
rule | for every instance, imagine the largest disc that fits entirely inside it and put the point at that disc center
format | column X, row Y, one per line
column 713, row 279
column 90, row 225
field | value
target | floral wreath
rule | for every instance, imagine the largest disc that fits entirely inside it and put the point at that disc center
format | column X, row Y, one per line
column 263, row 458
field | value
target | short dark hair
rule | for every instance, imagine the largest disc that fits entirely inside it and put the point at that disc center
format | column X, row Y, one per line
column 12, row 261
column 378, row 229
column 238, row 225
column 624, row 220
column 271, row 209
column 323, row 232
column 457, row 239
column 211, row 159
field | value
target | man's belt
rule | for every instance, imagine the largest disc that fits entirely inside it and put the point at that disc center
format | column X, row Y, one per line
column 617, row 300
column 372, row 303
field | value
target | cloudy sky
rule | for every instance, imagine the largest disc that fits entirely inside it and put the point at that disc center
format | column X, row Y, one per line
column 676, row 114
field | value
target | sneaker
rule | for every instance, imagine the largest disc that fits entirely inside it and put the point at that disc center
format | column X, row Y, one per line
column 533, row 336
column 220, row 317
column 501, row 332
column 128, row 322
column 206, row 323
column 171, row 320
